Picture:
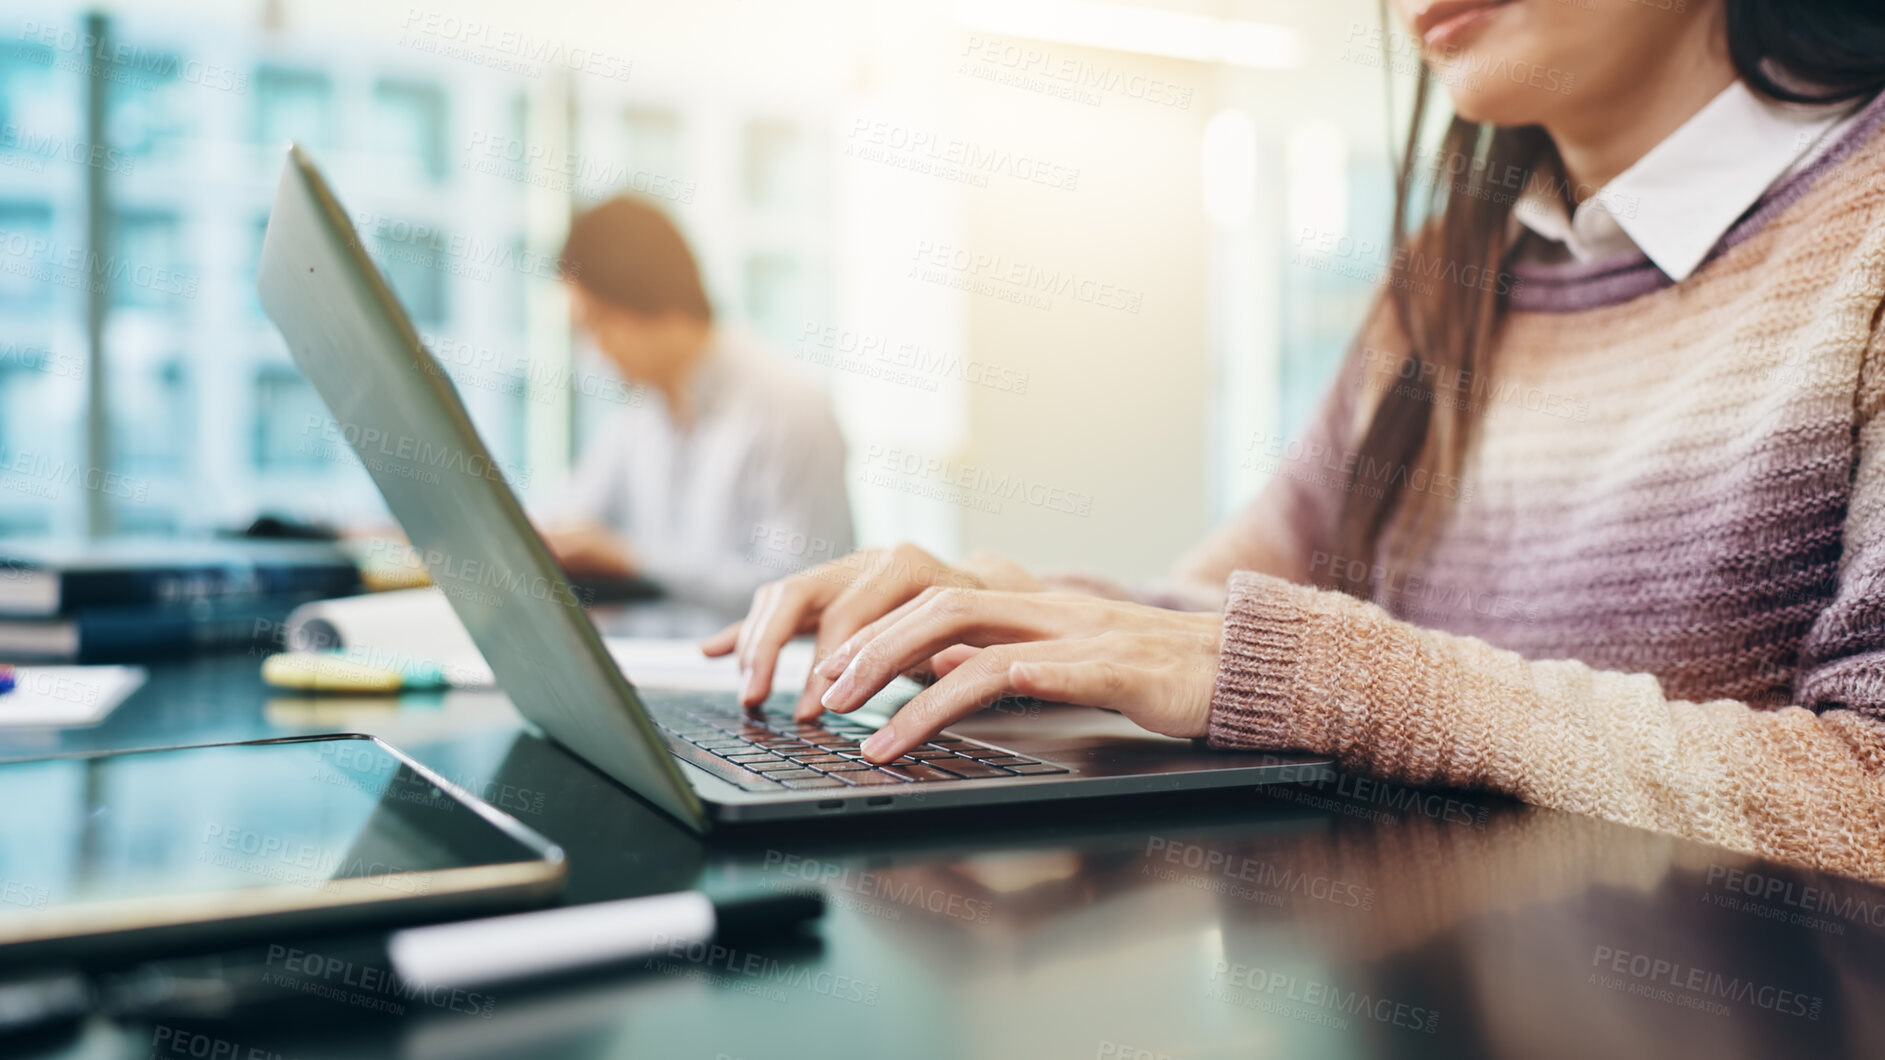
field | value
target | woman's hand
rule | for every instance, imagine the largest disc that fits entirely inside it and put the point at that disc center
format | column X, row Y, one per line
column 1157, row 667
column 836, row 600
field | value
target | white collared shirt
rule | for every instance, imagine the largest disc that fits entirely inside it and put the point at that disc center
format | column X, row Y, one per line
column 1677, row 201
column 748, row 492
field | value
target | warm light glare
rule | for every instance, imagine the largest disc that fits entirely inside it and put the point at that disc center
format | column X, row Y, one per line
column 1230, row 168
column 1315, row 158
column 1128, row 28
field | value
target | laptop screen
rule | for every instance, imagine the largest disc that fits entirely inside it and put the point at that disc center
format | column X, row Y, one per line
column 391, row 403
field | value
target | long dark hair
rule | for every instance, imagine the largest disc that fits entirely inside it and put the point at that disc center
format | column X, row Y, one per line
column 1796, row 51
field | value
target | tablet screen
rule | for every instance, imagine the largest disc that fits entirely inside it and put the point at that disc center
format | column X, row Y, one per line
column 125, row 841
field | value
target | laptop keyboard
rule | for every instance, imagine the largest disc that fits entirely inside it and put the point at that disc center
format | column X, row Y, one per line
column 774, row 751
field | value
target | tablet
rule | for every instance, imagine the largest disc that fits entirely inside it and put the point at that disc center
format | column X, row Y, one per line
column 121, row 856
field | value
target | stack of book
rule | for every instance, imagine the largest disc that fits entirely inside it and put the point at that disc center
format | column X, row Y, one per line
column 129, row 600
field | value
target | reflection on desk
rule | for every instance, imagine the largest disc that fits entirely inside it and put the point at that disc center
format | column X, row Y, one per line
column 1346, row 918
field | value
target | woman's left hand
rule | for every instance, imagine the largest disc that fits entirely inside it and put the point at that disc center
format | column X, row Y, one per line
column 1155, row 666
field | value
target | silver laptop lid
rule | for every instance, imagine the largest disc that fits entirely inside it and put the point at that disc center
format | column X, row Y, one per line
column 393, row 404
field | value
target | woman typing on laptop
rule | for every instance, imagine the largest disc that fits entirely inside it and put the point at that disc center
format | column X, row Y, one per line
column 1594, row 515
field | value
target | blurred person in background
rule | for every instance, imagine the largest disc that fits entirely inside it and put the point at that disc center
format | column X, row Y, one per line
column 1594, row 514
column 723, row 469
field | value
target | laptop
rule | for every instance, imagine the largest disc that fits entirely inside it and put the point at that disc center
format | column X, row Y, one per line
column 694, row 754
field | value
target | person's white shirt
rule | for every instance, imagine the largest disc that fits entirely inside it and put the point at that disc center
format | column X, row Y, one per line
column 751, row 490
column 1677, row 201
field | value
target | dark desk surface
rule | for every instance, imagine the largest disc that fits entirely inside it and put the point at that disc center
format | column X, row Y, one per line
column 1345, row 919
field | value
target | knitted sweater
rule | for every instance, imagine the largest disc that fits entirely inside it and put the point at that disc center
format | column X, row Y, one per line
column 1657, row 593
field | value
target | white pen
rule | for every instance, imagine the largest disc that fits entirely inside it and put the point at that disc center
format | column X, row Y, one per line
column 553, row 941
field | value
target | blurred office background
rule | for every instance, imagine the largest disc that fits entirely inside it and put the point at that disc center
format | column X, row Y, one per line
column 1065, row 267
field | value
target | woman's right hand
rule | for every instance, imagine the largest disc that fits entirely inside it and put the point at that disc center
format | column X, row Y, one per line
column 839, row 598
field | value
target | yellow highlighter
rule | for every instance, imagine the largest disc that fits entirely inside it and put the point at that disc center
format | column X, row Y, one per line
column 315, row 671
